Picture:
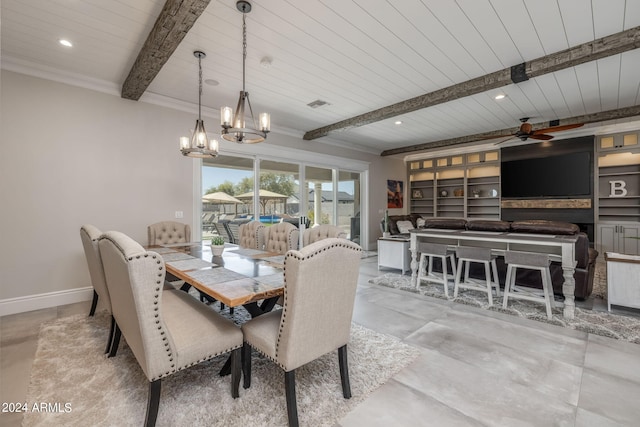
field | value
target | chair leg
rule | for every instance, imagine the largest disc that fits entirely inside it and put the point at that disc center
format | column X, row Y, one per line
column 453, row 265
column 246, row 365
column 494, row 269
column 467, row 268
column 546, row 284
column 344, row 372
column 290, row 392
column 487, row 272
column 457, row 281
column 445, row 281
column 110, row 338
column 235, row 372
column 153, row 403
column 94, row 303
column 507, row 286
column 116, row 341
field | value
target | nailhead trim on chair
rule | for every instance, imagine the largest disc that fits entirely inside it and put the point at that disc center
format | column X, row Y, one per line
column 294, row 254
column 162, row 332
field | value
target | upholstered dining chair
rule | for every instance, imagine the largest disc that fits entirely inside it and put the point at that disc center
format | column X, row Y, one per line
column 168, row 232
column 251, row 235
column 89, row 235
column 320, row 232
column 281, row 237
column 166, row 331
column 320, row 287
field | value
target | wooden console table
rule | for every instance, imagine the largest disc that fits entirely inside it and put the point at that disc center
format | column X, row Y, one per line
column 560, row 247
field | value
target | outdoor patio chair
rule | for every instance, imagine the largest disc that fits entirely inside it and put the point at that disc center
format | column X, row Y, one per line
column 221, row 229
column 233, row 228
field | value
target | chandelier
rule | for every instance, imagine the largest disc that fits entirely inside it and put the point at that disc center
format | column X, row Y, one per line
column 199, row 145
column 234, row 127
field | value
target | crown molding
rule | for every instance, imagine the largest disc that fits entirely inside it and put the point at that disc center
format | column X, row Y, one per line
column 45, row 72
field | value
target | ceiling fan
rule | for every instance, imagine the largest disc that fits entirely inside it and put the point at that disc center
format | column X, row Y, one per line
column 526, row 131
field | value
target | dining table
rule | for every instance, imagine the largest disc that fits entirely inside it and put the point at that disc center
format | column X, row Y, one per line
column 245, row 277
column 250, row 278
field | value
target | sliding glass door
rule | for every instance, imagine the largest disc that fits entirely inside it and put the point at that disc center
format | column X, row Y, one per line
column 349, row 203
column 285, row 192
column 226, row 180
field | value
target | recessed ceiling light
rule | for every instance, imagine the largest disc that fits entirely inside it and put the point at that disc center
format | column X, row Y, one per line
column 65, row 42
column 212, row 82
column 398, row 122
column 499, row 97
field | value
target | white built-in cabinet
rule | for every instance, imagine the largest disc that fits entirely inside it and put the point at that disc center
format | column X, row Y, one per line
column 618, row 186
column 457, row 186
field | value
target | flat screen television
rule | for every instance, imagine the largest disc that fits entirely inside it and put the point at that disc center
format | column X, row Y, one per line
column 565, row 175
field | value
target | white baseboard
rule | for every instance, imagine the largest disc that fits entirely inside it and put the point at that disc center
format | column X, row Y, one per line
column 40, row 301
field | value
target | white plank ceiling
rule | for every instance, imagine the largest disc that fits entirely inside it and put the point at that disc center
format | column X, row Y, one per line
column 357, row 55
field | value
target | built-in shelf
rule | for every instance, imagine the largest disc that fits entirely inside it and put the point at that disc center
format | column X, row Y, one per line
column 457, row 186
column 618, row 184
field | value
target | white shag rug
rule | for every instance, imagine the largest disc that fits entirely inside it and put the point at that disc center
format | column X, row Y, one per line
column 596, row 322
column 70, row 370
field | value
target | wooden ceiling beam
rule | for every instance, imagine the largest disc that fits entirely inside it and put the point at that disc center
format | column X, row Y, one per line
column 620, row 113
column 173, row 23
column 586, row 52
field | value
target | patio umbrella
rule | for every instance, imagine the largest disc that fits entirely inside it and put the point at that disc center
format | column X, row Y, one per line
column 222, row 198
column 265, row 196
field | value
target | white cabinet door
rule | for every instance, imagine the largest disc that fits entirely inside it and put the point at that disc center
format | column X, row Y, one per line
column 619, row 238
column 629, row 240
column 606, row 238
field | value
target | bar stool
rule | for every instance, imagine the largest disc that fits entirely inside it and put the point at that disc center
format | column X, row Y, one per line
column 530, row 261
column 429, row 251
column 467, row 255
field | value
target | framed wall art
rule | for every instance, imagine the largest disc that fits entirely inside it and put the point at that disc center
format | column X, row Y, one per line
column 395, row 191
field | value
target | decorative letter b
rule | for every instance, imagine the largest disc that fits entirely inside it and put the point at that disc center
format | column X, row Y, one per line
column 617, row 188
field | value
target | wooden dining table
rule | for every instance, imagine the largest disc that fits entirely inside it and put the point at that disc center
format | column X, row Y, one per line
column 240, row 277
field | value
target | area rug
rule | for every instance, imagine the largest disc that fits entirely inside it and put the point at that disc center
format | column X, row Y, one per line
column 625, row 328
column 84, row 388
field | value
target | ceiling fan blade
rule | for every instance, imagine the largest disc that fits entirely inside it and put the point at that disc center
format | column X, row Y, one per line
column 557, row 128
column 541, row 137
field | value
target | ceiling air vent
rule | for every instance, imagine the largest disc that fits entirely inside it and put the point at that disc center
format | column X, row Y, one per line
column 318, row 103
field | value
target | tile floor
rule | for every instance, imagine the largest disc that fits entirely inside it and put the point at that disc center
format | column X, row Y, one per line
column 477, row 368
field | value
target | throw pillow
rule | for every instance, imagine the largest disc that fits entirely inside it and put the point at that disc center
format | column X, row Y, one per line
column 404, row 226
column 420, row 222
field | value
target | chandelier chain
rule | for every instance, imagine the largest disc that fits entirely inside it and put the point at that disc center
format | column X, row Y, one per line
column 244, row 48
column 199, row 87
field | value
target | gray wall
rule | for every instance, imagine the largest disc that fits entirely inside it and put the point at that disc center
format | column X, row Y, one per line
column 72, row 156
